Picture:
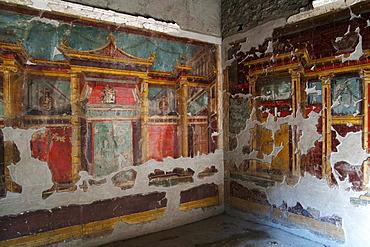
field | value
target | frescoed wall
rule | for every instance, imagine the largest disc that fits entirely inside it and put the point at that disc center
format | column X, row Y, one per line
column 298, row 119
column 97, row 115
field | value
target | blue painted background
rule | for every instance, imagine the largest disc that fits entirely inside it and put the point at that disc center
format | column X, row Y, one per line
column 42, row 36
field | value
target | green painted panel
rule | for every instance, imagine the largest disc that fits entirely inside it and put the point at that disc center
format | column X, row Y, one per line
column 112, row 147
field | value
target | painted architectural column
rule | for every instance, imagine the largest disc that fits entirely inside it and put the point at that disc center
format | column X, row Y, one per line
column 296, row 106
column 365, row 122
column 326, row 124
column 144, row 115
column 76, row 126
column 252, row 81
column 8, row 87
column 296, row 91
column 182, row 91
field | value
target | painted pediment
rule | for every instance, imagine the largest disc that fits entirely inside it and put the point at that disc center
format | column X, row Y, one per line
column 109, row 53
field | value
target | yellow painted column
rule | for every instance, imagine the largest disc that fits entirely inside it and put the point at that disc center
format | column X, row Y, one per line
column 254, row 104
column 182, row 92
column 326, row 124
column 76, row 126
column 365, row 109
column 144, row 115
column 296, row 106
column 365, row 121
column 9, row 115
column 296, row 91
column 224, row 116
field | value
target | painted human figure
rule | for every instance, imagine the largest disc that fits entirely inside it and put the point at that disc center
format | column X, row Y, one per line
column 46, row 101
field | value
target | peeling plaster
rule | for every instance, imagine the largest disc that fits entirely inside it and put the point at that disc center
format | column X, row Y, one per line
column 119, row 19
column 306, row 126
column 315, row 193
column 313, row 90
column 30, row 198
column 45, row 20
column 32, row 185
column 350, row 150
column 322, row 9
column 253, row 36
column 358, row 52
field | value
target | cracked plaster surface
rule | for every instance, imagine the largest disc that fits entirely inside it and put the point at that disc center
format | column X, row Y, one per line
column 30, row 198
column 117, row 18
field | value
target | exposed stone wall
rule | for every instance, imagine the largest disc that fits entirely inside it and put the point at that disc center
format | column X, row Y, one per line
column 239, row 16
column 201, row 16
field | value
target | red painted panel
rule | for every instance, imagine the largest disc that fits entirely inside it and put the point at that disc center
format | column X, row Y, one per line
column 162, row 141
column 124, row 95
column 314, row 160
column 49, row 146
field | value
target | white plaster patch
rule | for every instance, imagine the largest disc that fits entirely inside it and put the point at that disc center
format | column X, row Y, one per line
column 254, row 36
column 350, row 149
column 322, row 8
column 34, row 175
column 313, row 90
column 110, row 16
column 33, row 185
column 45, row 20
column 269, row 48
column 357, row 53
column 306, row 128
column 308, row 131
column 315, row 193
column 229, row 62
column 353, row 16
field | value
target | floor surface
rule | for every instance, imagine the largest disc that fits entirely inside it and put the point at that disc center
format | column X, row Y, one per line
column 219, row 231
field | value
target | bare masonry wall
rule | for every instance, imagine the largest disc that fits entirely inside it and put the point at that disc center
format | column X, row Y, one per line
column 201, row 16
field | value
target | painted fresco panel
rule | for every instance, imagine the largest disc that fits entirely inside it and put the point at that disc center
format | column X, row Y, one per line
column 112, row 147
column 276, row 90
column 162, row 101
column 314, row 92
column 86, row 113
column 123, row 95
column 346, row 95
column 41, row 39
column 50, row 145
column 124, row 179
column 162, row 141
column 198, row 102
column 48, row 96
column 238, row 112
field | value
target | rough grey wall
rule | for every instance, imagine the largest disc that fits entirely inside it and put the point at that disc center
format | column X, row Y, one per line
column 242, row 15
column 202, row 16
